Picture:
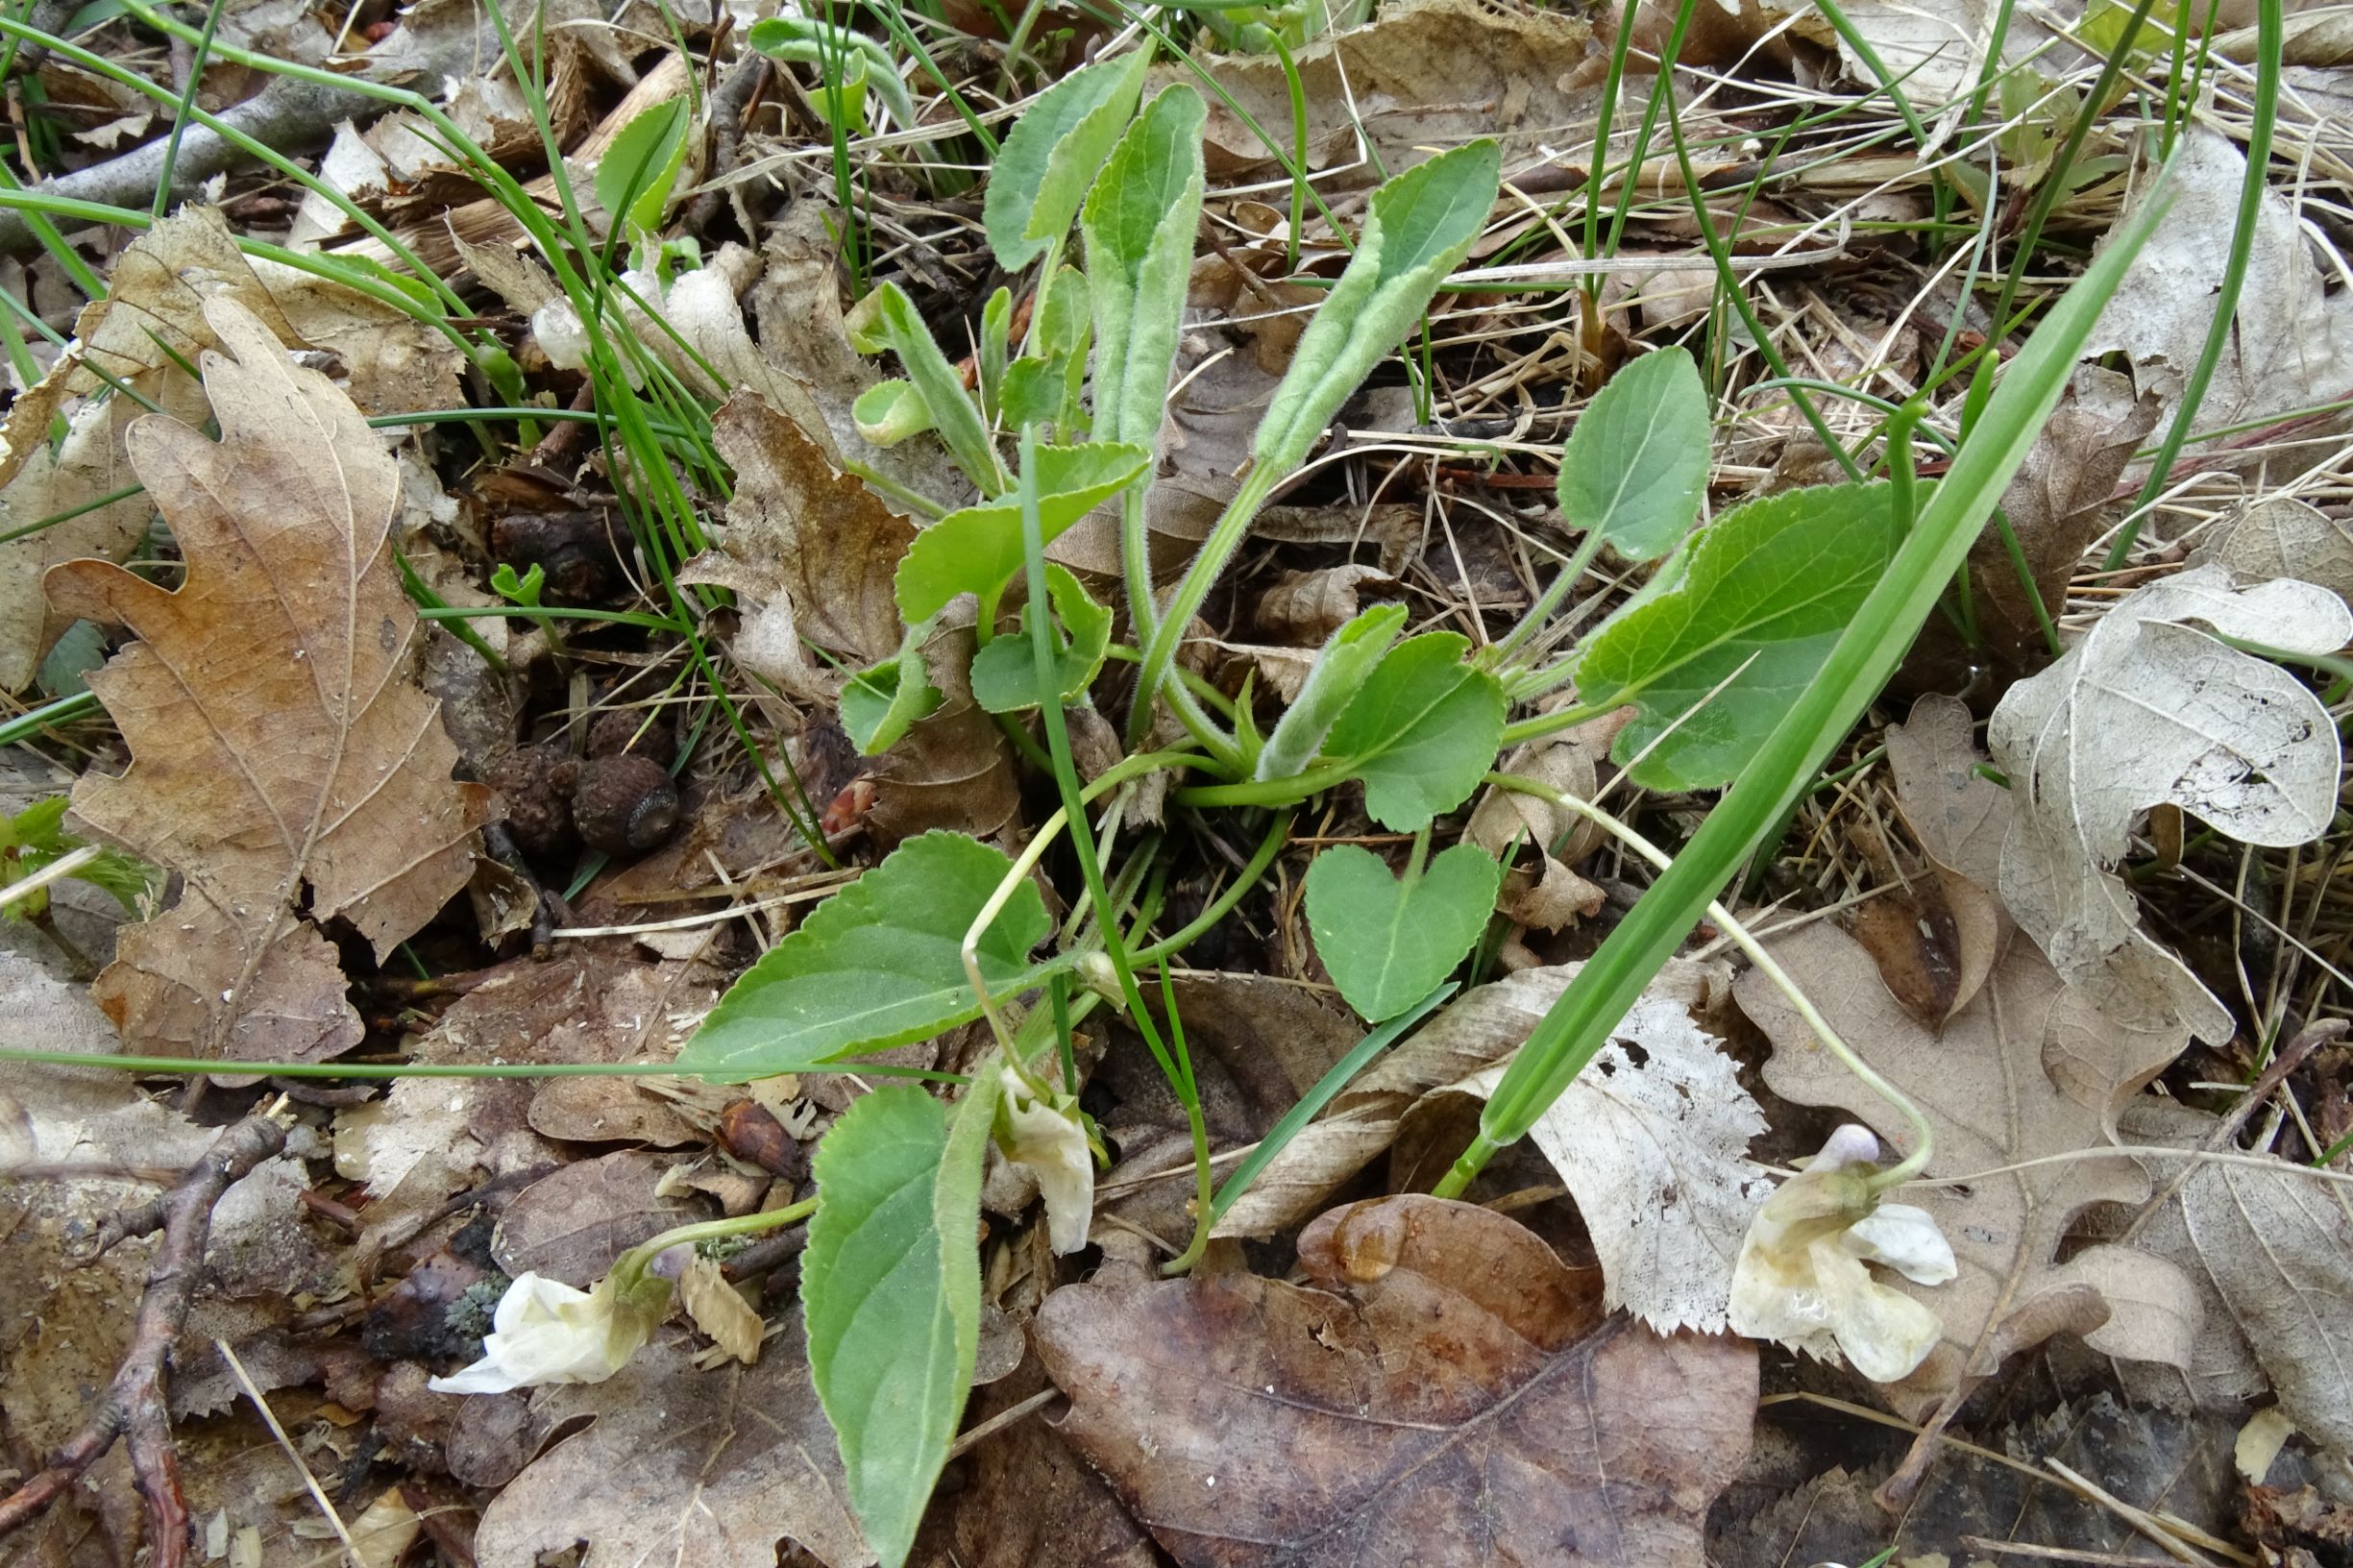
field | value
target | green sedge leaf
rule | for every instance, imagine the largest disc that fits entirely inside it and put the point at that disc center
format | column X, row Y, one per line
column 1139, row 225
column 1389, row 944
column 881, row 702
column 1005, row 672
column 1759, row 597
column 1339, row 673
column 1043, row 167
column 890, row 1289
column 888, row 412
column 887, row 318
column 1421, row 226
column 976, row 549
column 1636, row 462
column 635, row 175
column 878, row 965
column 1422, row 731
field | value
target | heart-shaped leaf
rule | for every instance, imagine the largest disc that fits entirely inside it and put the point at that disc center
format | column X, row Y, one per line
column 1422, row 732
column 978, row 548
column 1388, row 943
column 1352, row 653
column 1005, row 672
column 879, row 963
column 880, row 703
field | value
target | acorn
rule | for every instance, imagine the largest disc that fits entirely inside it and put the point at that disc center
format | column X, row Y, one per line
column 628, row 730
column 624, row 805
column 536, row 782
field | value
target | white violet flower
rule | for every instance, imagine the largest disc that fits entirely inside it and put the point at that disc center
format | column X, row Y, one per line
column 1047, row 1137
column 1803, row 1277
column 545, row 1331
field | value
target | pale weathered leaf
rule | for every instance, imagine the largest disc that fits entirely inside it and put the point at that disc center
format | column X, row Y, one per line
column 2273, row 1251
column 1479, row 1030
column 2282, row 537
column 718, row 1310
column 2292, row 346
column 2145, row 711
column 283, row 759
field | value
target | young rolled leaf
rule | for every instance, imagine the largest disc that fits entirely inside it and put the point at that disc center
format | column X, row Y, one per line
column 1043, row 168
column 882, row 702
column 888, row 412
column 1636, row 462
column 1139, row 225
column 1420, row 227
column 1422, row 731
column 890, row 1288
column 1348, row 657
column 978, row 548
column 840, row 55
column 1388, row 943
column 878, row 965
column 1005, row 672
column 887, row 319
column 1759, row 597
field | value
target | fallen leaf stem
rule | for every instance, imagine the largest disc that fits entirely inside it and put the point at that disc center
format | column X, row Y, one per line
column 1923, row 1135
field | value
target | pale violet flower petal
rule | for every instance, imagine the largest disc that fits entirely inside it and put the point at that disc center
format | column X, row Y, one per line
column 561, row 336
column 1048, row 1142
column 1884, row 1332
column 546, row 1331
column 1905, row 1239
column 1803, row 1276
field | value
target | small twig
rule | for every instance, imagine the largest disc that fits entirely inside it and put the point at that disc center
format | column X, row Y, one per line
column 289, row 113
column 732, row 102
column 1004, row 1418
column 134, row 1408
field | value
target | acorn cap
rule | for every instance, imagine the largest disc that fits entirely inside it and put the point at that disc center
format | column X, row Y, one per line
column 624, row 805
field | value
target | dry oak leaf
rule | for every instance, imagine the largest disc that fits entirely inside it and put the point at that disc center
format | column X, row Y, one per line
column 680, row 1466
column 2151, row 710
column 2028, row 1069
column 1450, row 1394
column 282, row 759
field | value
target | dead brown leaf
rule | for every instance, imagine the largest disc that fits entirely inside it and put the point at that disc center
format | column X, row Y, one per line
column 283, row 758
column 812, row 550
column 572, row 1224
column 718, row 1310
column 1420, row 78
column 676, row 1465
column 1449, row 1393
column 1027, row 1499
